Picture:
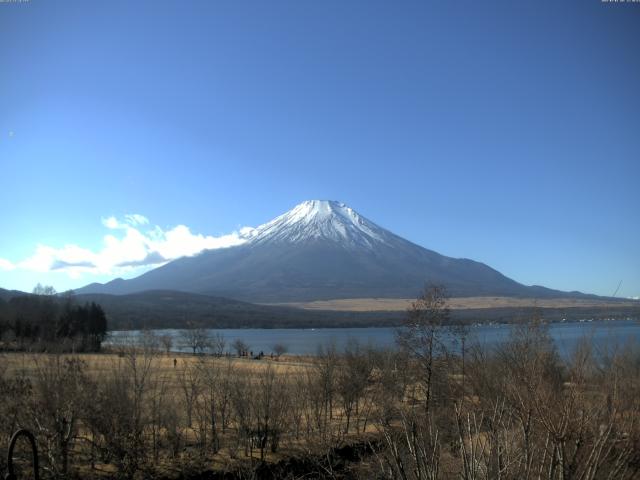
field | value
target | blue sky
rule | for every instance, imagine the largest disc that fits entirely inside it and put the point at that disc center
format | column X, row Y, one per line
column 507, row 132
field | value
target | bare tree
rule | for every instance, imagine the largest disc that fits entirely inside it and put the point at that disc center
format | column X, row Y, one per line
column 423, row 335
column 116, row 411
column 279, row 349
column 189, row 381
column 149, row 341
column 242, row 412
column 167, row 343
column 323, row 385
column 197, row 339
column 239, row 346
column 58, row 408
column 261, row 403
column 413, row 450
column 218, row 343
column 270, row 406
column 213, row 401
column 158, row 408
column 47, row 290
column 352, row 378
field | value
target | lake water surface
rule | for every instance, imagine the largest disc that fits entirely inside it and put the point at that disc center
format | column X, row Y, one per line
column 602, row 334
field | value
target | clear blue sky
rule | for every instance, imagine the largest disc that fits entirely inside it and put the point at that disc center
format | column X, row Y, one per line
column 507, row 132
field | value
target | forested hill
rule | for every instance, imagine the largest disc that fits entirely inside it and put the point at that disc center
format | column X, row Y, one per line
column 173, row 309
column 43, row 322
column 6, row 295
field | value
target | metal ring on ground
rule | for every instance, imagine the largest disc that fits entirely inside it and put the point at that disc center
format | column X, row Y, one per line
column 34, row 450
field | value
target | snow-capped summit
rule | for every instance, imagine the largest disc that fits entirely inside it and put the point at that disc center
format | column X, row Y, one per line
column 321, row 220
column 322, row 250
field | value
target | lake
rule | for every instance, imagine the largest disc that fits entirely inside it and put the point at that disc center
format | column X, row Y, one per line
column 602, row 334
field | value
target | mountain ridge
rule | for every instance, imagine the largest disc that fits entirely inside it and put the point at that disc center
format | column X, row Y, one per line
column 321, row 250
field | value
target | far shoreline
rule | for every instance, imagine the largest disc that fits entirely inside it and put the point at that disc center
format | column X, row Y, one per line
column 369, row 327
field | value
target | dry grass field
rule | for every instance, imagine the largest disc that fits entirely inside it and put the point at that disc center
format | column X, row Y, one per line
column 190, row 412
column 134, row 412
column 462, row 303
column 100, row 363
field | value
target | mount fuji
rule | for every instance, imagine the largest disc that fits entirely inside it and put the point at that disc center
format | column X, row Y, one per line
column 323, row 250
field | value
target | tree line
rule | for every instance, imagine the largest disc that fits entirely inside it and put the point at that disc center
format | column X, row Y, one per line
column 45, row 321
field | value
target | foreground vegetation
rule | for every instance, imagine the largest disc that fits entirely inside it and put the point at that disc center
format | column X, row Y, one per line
column 518, row 411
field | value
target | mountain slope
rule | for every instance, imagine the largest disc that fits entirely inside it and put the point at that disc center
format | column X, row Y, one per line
column 322, row 250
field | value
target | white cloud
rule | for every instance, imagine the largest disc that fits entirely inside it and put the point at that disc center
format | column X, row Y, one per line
column 47, row 258
column 111, row 222
column 246, row 232
column 136, row 219
column 130, row 220
column 6, row 264
column 180, row 242
column 132, row 244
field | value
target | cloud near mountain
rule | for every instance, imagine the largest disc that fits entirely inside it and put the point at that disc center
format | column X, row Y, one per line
column 6, row 264
column 131, row 244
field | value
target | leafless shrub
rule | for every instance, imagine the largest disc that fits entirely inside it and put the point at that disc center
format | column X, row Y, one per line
column 424, row 337
column 54, row 408
column 116, row 412
column 413, row 450
column 352, row 380
column 213, row 401
column 189, row 381
column 167, row 343
column 217, row 344
column 240, row 347
column 279, row 349
column 196, row 339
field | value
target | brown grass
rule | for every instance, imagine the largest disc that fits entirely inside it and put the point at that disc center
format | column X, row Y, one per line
column 163, row 364
column 461, row 303
column 96, row 364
